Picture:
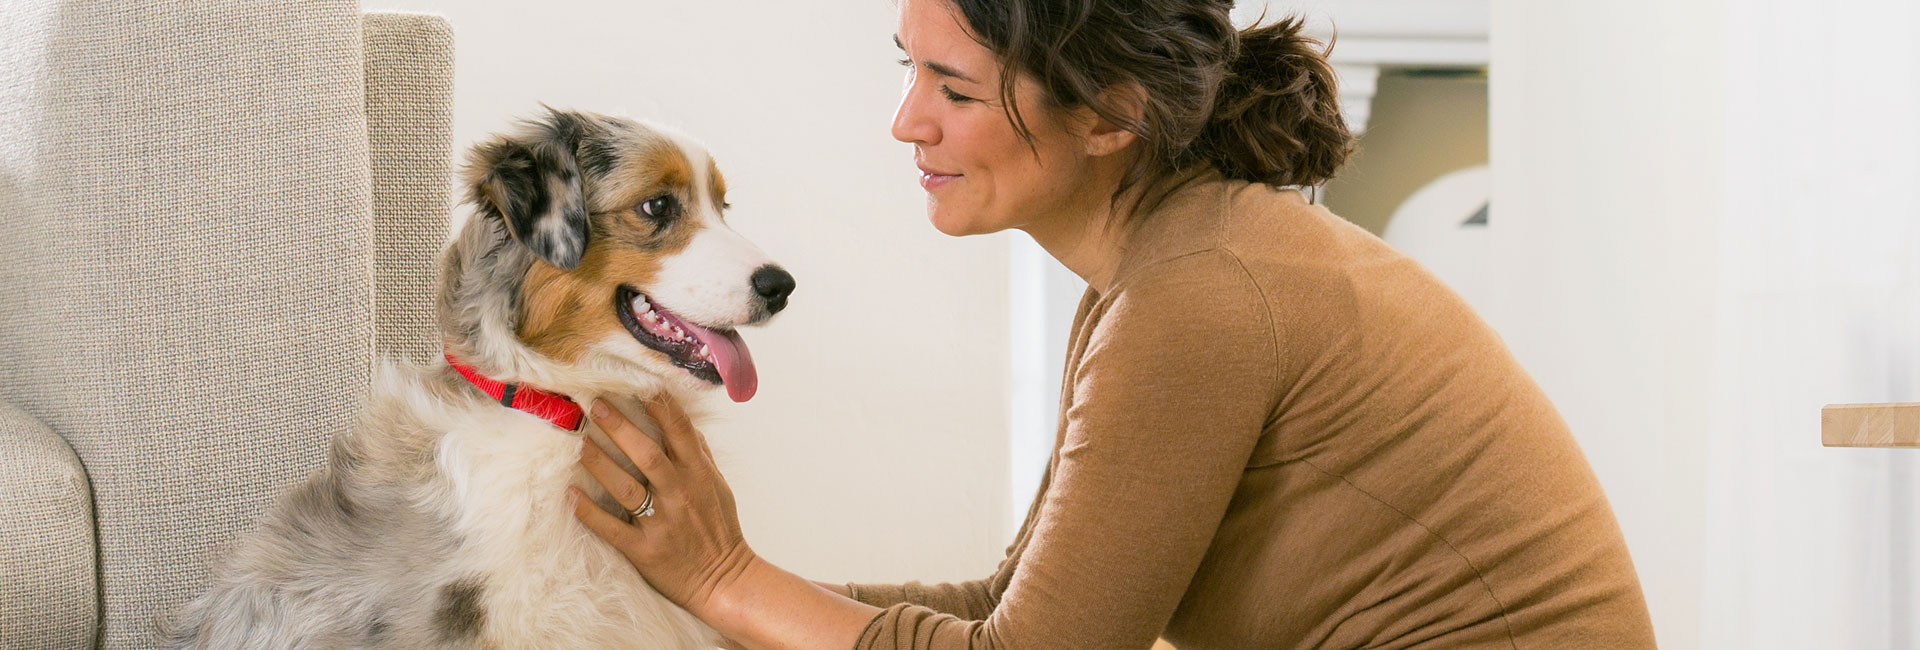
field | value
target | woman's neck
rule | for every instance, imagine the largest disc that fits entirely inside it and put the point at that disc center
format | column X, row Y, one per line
column 1089, row 250
column 1086, row 233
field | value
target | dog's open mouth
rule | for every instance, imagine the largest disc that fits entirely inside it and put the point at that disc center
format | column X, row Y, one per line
column 715, row 355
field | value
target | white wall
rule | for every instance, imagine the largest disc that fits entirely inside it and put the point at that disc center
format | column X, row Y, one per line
column 1605, row 165
column 877, row 446
column 1818, row 302
column 1709, row 212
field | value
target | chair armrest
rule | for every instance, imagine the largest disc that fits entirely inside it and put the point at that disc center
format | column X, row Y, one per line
column 48, row 591
column 409, row 83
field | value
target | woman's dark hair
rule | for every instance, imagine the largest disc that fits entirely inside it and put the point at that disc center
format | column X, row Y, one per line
column 1258, row 105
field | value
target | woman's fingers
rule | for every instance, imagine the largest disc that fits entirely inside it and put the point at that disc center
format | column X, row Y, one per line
column 636, row 444
column 697, row 519
column 676, row 429
column 624, row 488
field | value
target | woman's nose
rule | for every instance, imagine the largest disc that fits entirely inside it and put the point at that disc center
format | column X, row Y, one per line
column 910, row 123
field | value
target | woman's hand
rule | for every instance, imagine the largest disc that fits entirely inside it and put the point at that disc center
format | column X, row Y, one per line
column 690, row 549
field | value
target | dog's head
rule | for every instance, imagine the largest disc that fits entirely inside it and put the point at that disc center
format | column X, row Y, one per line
column 598, row 259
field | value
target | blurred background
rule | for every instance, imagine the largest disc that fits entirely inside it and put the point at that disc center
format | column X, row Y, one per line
column 1696, row 222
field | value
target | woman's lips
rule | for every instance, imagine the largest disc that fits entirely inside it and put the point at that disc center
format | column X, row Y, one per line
column 930, row 180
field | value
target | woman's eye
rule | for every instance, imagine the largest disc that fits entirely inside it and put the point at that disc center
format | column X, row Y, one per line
column 659, row 207
column 954, row 97
column 905, row 62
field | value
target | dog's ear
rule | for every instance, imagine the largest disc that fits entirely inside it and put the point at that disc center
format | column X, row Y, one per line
column 532, row 182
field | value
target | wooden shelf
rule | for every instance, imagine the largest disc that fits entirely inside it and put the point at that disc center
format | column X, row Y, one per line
column 1870, row 425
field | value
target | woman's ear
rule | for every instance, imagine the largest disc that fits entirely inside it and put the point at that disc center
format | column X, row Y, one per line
column 1108, row 135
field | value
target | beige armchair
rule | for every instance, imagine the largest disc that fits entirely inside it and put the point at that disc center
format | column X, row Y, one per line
column 212, row 217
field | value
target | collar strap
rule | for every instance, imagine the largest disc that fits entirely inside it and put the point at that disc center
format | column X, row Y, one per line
column 554, row 408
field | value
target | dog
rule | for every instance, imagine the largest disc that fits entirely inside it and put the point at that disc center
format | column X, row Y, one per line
column 597, row 263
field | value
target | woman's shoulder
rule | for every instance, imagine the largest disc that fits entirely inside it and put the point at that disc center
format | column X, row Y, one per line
column 1189, row 219
column 1282, row 224
column 1254, row 223
column 1235, row 238
column 1197, row 315
column 1302, row 251
column 1195, row 301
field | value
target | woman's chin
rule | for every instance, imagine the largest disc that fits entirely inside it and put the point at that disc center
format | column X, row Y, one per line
column 953, row 221
column 949, row 223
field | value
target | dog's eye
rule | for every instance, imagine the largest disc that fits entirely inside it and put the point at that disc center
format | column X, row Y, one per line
column 659, row 208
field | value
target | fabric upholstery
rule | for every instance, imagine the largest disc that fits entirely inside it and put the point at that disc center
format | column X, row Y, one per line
column 46, row 527
column 410, row 131
column 192, row 263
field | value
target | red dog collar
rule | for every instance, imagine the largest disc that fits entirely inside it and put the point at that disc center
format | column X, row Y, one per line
column 559, row 410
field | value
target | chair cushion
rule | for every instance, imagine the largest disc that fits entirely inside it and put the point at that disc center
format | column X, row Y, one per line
column 46, row 527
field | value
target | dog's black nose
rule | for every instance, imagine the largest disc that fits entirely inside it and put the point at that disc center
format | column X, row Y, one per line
column 773, row 284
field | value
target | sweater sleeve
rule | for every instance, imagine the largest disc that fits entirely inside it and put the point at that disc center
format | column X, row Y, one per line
column 1172, row 391
column 971, row 600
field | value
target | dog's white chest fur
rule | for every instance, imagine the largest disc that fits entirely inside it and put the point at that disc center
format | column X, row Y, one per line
column 549, row 582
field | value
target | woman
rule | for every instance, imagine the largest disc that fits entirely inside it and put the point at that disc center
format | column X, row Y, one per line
column 1278, row 432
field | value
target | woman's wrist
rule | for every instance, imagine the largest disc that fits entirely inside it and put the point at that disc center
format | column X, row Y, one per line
column 733, row 597
column 729, row 586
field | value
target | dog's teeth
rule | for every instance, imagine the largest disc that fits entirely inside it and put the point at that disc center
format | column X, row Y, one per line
column 703, row 351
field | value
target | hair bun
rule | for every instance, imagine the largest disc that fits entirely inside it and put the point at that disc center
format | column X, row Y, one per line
column 1277, row 117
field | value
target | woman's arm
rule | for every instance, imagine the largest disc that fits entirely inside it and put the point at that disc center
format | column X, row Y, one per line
column 971, row 600
column 770, row 608
column 730, row 644
column 1172, row 391
column 691, row 549
column 839, row 589
column 770, row 585
column 844, row 590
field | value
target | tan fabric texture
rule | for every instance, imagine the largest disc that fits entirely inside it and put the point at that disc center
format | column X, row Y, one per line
column 46, row 529
column 189, row 262
column 1277, row 432
column 409, row 77
column 48, row 589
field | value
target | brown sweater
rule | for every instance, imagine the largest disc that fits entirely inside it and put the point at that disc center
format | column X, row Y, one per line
column 1278, row 432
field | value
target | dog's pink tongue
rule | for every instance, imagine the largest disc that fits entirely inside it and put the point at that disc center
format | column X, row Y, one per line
column 731, row 358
